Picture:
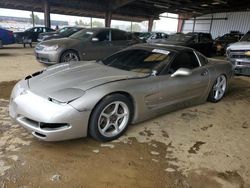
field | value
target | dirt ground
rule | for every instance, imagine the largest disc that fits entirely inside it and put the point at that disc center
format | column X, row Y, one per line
column 205, row 146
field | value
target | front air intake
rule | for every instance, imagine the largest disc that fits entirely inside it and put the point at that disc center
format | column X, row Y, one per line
column 53, row 126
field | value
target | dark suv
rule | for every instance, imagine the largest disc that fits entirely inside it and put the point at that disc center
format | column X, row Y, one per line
column 202, row 42
column 221, row 43
column 30, row 35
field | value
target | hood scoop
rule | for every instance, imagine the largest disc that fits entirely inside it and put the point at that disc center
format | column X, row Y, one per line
column 66, row 95
column 33, row 75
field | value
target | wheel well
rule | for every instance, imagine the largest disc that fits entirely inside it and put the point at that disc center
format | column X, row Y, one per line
column 77, row 53
column 131, row 99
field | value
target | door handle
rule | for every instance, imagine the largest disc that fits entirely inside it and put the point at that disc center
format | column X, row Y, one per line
column 204, row 73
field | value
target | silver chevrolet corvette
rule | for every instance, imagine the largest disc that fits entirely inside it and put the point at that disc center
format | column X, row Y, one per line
column 101, row 99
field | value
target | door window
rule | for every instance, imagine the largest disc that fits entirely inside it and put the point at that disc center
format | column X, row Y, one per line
column 202, row 58
column 103, row 35
column 38, row 30
column 34, row 30
column 118, row 35
column 185, row 59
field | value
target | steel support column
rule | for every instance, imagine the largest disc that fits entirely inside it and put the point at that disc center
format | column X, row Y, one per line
column 150, row 24
column 194, row 24
column 180, row 25
column 47, row 14
column 211, row 23
column 108, row 17
column 33, row 19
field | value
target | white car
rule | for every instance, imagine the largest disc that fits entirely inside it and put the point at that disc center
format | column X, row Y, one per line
column 239, row 55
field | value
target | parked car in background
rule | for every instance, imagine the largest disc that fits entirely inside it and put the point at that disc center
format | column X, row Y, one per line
column 239, row 55
column 87, row 44
column 137, row 34
column 6, row 37
column 202, row 42
column 101, row 99
column 30, row 35
column 221, row 43
column 152, row 36
column 61, row 33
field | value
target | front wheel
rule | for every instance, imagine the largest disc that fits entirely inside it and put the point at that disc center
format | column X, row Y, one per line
column 218, row 90
column 110, row 118
column 69, row 56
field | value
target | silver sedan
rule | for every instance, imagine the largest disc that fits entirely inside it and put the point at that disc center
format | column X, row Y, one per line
column 84, row 45
column 101, row 99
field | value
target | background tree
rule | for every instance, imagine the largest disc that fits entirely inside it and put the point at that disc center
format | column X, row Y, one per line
column 36, row 19
column 136, row 27
column 97, row 24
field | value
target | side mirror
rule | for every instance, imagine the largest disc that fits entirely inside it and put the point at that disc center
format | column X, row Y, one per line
column 94, row 39
column 182, row 72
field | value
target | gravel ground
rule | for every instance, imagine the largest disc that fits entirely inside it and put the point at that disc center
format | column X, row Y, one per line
column 202, row 146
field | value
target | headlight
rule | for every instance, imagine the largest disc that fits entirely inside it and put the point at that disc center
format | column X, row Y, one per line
column 51, row 48
column 228, row 52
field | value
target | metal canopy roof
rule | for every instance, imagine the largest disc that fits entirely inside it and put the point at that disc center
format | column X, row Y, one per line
column 134, row 10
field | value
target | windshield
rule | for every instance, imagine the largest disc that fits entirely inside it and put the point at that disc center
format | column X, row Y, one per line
column 83, row 34
column 246, row 37
column 141, row 61
column 64, row 29
column 69, row 32
column 180, row 37
column 30, row 29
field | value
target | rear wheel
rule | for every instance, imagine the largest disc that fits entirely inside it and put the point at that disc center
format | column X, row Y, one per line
column 218, row 90
column 69, row 56
column 110, row 118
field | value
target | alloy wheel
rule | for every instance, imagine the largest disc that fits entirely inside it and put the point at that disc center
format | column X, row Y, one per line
column 113, row 119
column 70, row 56
column 219, row 87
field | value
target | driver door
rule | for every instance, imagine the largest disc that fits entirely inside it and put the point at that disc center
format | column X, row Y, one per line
column 96, row 50
column 178, row 91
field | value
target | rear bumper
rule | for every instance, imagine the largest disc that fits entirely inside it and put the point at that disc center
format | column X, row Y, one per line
column 46, row 120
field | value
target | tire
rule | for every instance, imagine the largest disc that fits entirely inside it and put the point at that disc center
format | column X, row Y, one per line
column 218, row 90
column 69, row 56
column 110, row 118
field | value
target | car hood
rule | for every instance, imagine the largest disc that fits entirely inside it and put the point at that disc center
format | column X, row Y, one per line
column 76, row 78
column 240, row 46
column 60, row 42
column 19, row 33
column 48, row 33
column 52, row 37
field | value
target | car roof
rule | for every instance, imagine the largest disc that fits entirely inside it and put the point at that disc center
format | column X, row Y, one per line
column 103, row 28
column 151, row 46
